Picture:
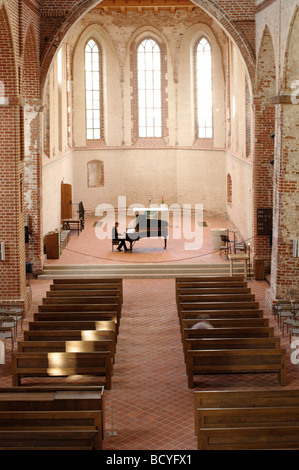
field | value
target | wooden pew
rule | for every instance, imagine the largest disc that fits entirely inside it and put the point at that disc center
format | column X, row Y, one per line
column 67, row 346
column 197, row 294
column 84, row 420
column 87, row 283
column 228, row 333
column 223, row 290
column 90, row 296
column 108, row 287
column 236, row 361
column 67, row 325
column 197, row 290
column 106, row 308
column 107, row 333
column 49, row 440
column 209, row 279
column 54, row 398
column 61, row 365
column 206, row 314
column 79, row 303
column 235, row 322
column 78, row 292
column 247, row 417
column 207, row 344
column 232, row 343
column 189, row 298
column 227, row 322
column 251, row 438
column 210, row 284
column 218, row 306
column 245, row 398
column 114, row 281
column 211, row 290
column 236, row 332
column 74, row 318
column 54, row 300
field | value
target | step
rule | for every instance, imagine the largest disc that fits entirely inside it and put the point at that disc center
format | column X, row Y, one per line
column 138, row 271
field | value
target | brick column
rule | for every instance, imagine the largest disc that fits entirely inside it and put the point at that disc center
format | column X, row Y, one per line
column 13, row 272
column 263, row 173
column 285, row 268
column 33, row 183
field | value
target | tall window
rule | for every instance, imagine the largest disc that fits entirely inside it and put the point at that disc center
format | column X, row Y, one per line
column 204, row 100
column 92, row 90
column 149, row 89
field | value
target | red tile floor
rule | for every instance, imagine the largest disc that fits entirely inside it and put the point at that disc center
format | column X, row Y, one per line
column 150, row 406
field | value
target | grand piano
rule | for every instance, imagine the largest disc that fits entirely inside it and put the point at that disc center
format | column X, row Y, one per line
column 148, row 223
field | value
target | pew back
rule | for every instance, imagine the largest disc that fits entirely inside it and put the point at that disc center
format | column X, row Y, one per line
column 236, row 361
column 61, row 365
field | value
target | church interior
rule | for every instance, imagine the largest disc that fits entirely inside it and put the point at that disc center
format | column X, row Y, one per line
column 178, row 120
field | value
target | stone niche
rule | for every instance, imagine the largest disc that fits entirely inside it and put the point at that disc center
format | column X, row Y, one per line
column 95, row 174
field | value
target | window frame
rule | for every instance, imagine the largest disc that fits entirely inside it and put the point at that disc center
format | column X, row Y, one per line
column 135, row 91
column 196, row 97
column 100, row 90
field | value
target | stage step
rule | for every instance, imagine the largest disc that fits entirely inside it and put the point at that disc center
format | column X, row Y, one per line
column 146, row 270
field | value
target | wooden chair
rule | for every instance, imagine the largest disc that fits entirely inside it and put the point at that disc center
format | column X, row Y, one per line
column 16, row 312
column 226, row 247
column 7, row 331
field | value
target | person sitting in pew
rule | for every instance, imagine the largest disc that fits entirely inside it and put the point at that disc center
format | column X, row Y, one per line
column 115, row 237
column 202, row 324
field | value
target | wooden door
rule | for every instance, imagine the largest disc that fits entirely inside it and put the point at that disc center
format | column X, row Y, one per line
column 66, row 201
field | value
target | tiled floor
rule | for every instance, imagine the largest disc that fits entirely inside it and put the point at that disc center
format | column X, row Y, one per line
column 150, row 406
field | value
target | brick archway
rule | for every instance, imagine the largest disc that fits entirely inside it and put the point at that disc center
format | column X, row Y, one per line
column 56, row 21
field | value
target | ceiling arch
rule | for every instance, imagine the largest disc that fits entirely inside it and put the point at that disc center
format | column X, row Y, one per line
column 62, row 21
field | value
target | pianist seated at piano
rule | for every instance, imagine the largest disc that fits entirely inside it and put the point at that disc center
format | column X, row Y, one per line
column 118, row 238
column 148, row 223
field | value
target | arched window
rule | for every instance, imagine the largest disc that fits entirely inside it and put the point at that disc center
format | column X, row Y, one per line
column 204, row 101
column 149, row 89
column 93, row 90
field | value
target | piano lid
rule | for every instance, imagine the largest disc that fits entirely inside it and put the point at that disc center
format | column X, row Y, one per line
column 151, row 213
column 150, row 209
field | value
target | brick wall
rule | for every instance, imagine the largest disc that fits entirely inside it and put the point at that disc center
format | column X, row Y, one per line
column 13, row 267
column 18, row 20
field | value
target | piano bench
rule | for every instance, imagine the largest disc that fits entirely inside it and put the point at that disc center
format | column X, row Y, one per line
column 115, row 242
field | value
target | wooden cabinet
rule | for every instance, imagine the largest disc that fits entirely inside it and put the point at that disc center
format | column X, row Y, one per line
column 53, row 245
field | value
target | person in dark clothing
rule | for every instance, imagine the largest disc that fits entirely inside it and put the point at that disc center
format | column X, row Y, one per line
column 115, row 236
